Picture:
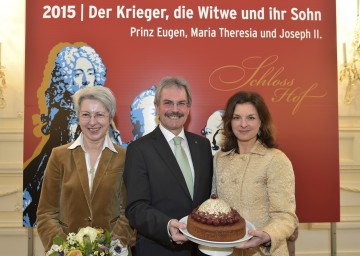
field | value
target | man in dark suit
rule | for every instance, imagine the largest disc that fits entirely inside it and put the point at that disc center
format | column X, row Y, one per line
column 158, row 195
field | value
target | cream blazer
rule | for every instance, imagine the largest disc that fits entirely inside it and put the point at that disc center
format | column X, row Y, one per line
column 66, row 203
column 260, row 185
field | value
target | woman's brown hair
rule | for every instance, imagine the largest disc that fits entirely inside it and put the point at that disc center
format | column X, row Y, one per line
column 266, row 131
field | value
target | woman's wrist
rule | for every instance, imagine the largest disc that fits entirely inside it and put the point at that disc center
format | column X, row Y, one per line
column 267, row 244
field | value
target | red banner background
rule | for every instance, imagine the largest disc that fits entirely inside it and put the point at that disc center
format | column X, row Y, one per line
column 297, row 77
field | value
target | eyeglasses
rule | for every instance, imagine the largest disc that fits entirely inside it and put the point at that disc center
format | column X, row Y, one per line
column 85, row 116
column 171, row 104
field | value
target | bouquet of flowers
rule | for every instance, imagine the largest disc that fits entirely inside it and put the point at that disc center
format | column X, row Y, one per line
column 88, row 242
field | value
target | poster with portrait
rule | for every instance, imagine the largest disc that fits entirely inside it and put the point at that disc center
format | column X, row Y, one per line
column 285, row 50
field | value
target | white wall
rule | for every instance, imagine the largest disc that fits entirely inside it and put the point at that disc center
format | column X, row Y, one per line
column 314, row 238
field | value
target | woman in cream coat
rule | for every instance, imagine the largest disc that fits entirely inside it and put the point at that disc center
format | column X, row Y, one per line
column 254, row 177
column 83, row 183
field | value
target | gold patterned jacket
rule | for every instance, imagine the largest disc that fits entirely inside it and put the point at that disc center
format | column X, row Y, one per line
column 260, row 185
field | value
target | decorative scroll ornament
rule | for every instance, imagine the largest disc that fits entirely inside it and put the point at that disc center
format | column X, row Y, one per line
column 2, row 87
column 350, row 72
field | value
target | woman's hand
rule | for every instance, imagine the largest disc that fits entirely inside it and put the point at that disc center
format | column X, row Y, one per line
column 259, row 238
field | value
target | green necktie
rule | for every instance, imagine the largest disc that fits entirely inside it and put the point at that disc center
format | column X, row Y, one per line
column 183, row 163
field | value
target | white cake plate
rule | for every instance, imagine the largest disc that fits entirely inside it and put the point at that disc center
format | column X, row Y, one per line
column 217, row 248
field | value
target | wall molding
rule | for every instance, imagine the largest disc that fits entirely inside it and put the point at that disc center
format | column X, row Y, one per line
column 344, row 122
column 10, row 224
column 13, row 231
column 11, row 168
column 350, row 188
column 344, row 224
column 11, row 191
column 11, row 136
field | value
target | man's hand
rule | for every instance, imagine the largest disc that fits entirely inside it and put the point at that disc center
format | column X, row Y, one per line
column 176, row 235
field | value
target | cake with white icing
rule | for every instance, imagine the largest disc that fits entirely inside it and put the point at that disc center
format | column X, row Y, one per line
column 215, row 220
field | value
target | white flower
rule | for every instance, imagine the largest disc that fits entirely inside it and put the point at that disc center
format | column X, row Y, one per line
column 117, row 249
column 90, row 232
column 55, row 248
column 71, row 238
column 90, row 241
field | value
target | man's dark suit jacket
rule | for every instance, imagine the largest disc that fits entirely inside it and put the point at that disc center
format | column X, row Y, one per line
column 157, row 190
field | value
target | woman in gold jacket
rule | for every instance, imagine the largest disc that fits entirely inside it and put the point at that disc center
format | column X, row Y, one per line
column 83, row 183
column 255, row 177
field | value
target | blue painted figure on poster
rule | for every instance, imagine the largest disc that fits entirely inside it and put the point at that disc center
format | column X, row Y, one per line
column 213, row 130
column 75, row 68
column 143, row 113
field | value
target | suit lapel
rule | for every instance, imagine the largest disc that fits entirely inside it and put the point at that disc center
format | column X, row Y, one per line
column 165, row 152
column 79, row 159
column 101, row 169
